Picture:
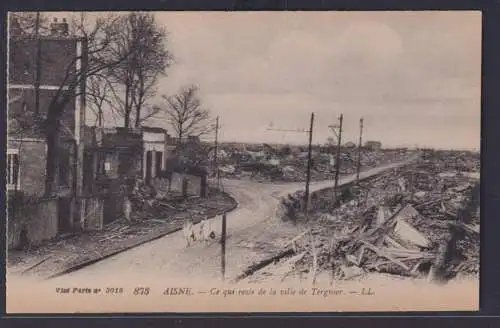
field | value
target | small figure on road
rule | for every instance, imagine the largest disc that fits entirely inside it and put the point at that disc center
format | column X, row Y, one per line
column 189, row 233
column 201, row 228
column 206, row 231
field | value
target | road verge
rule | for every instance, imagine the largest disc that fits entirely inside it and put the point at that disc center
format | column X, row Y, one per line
column 61, row 257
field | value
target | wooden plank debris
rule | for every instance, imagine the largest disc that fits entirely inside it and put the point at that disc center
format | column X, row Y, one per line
column 406, row 231
column 293, row 242
column 381, row 253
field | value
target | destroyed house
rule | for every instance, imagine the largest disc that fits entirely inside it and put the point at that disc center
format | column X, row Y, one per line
column 157, row 148
column 188, row 139
column 349, row 144
column 112, row 164
column 112, row 153
column 194, row 139
column 57, row 212
column 373, row 145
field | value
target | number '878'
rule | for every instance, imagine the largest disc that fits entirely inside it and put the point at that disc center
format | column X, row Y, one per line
column 141, row 291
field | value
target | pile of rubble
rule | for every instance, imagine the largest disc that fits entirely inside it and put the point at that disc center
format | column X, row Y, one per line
column 293, row 167
column 387, row 242
column 150, row 203
column 413, row 221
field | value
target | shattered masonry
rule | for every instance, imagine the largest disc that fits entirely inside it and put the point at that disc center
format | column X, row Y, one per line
column 420, row 221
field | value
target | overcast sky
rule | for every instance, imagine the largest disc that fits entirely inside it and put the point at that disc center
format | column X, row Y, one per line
column 414, row 76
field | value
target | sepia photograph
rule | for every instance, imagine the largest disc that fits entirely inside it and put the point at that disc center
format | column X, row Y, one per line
column 243, row 161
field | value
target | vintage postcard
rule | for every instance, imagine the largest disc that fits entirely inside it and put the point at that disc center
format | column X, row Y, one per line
column 243, row 161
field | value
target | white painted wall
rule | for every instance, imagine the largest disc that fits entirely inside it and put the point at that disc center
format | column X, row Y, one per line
column 154, row 136
column 155, row 142
column 149, row 146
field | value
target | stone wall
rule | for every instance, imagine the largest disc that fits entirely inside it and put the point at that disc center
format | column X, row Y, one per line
column 39, row 222
column 193, row 183
column 32, row 161
column 94, row 213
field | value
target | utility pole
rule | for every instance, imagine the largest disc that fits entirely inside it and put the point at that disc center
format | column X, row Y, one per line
column 216, row 151
column 337, row 160
column 309, row 164
column 38, row 63
column 309, row 158
column 223, row 246
column 360, row 145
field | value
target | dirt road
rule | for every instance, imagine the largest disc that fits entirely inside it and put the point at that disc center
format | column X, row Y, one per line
column 169, row 258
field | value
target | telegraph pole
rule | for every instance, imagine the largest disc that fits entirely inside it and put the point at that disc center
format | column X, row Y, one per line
column 309, row 158
column 309, row 164
column 38, row 63
column 216, row 151
column 223, row 246
column 337, row 161
column 358, row 169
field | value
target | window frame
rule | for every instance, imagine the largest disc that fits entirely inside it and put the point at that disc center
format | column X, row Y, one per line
column 17, row 185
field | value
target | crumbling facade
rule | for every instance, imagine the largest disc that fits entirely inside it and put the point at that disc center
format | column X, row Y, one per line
column 184, row 180
column 373, row 145
column 42, row 64
column 157, row 148
column 112, row 165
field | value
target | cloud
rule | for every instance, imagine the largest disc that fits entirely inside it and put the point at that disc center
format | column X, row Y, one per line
column 416, row 68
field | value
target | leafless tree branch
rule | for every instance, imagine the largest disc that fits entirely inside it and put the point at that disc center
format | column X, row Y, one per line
column 184, row 113
column 98, row 38
column 137, row 77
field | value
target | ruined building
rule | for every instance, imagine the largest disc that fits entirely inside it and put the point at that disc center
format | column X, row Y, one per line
column 373, row 145
column 42, row 63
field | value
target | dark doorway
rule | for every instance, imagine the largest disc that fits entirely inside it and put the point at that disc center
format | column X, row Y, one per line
column 63, row 166
column 158, row 163
column 125, row 163
column 64, row 214
column 113, row 202
column 149, row 165
column 111, row 208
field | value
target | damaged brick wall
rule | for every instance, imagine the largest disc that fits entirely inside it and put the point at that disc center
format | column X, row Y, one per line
column 33, row 224
column 94, row 213
column 22, row 113
column 113, row 201
column 161, row 186
column 124, row 169
column 39, row 219
column 194, row 183
column 32, row 159
column 56, row 55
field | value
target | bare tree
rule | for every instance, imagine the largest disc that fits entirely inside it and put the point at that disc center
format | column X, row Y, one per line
column 134, row 81
column 185, row 114
column 98, row 89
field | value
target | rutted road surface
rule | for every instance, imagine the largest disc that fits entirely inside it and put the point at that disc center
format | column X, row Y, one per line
column 169, row 258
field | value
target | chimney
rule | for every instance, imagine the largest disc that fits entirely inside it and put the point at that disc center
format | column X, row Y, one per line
column 15, row 27
column 59, row 29
column 53, row 26
column 64, row 27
